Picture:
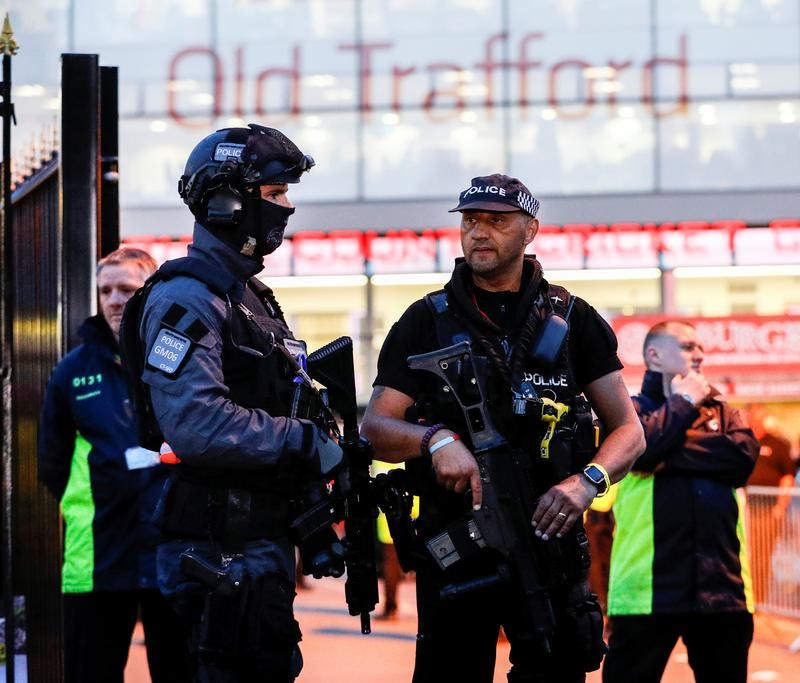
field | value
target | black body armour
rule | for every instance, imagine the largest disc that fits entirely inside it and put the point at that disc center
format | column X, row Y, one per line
column 257, row 376
column 552, row 454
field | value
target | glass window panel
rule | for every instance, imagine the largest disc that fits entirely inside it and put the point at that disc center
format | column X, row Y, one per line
column 292, row 56
column 731, row 145
column 592, row 152
column 422, row 154
column 152, row 159
column 755, row 43
column 166, row 67
column 413, row 62
column 329, row 137
column 147, row 26
column 569, row 53
column 153, row 153
column 596, row 16
column 726, row 13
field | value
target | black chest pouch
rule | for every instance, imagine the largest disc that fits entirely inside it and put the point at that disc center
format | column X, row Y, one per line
column 256, row 374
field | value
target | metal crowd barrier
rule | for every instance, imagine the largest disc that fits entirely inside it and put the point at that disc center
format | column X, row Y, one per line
column 773, row 528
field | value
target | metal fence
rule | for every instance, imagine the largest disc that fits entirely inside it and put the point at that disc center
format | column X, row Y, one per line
column 773, row 528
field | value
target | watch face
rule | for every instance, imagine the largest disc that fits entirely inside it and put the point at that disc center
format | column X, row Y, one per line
column 596, row 477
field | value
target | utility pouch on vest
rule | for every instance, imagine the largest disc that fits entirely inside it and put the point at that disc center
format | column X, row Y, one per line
column 231, row 516
column 309, row 404
column 549, row 342
column 462, row 539
column 553, row 331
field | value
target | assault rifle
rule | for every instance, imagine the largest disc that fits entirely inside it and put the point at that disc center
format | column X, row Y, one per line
column 502, row 525
column 354, row 496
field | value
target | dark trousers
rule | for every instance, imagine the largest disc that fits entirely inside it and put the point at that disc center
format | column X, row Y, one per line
column 717, row 645
column 97, row 636
column 457, row 639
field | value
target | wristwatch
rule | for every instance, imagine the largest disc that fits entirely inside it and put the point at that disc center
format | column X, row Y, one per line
column 599, row 477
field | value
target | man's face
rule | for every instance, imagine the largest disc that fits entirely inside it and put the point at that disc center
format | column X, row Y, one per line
column 116, row 284
column 277, row 194
column 677, row 352
column 494, row 243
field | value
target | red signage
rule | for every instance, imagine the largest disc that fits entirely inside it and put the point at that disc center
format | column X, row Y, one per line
column 779, row 245
column 569, row 247
column 401, row 251
column 732, row 344
column 335, row 253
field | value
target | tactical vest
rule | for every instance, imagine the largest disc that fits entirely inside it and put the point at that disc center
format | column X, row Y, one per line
column 234, row 505
column 553, row 457
column 256, row 377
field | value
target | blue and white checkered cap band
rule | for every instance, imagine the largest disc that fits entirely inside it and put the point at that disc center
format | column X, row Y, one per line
column 528, row 203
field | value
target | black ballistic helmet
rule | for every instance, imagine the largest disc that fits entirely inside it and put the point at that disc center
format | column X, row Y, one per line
column 232, row 159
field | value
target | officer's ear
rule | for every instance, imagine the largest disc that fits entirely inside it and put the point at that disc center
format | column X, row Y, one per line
column 531, row 230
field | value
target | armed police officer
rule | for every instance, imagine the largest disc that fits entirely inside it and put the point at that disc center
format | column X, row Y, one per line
column 479, row 389
column 220, row 367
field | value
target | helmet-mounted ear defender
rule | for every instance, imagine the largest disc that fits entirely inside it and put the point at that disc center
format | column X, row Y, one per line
column 225, row 208
column 218, row 196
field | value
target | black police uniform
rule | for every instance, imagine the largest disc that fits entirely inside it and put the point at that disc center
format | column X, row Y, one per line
column 222, row 394
column 457, row 637
column 218, row 364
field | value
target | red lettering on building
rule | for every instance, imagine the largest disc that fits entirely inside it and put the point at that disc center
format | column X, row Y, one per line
column 292, row 73
column 654, row 70
column 648, row 80
column 174, row 80
column 552, row 97
column 454, row 91
column 365, row 51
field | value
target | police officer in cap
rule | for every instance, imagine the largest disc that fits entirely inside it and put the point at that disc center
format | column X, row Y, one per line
column 538, row 350
column 220, row 369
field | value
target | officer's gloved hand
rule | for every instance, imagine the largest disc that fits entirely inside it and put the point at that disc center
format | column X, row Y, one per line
column 327, row 456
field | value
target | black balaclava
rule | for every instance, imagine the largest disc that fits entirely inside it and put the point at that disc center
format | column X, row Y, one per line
column 221, row 186
column 261, row 229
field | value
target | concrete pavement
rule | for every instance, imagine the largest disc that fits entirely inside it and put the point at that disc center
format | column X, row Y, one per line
column 335, row 651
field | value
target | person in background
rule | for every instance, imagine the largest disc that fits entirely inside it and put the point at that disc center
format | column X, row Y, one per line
column 391, row 569
column 108, row 487
column 678, row 559
column 775, row 467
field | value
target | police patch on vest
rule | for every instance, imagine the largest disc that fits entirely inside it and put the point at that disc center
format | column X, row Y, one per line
column 169, row 351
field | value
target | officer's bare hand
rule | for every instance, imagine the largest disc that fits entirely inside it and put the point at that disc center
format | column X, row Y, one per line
column 457, row 470
column 561, row 506
column 692, row 384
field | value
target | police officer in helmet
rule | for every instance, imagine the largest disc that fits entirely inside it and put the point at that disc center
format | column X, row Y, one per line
column 218, row 367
